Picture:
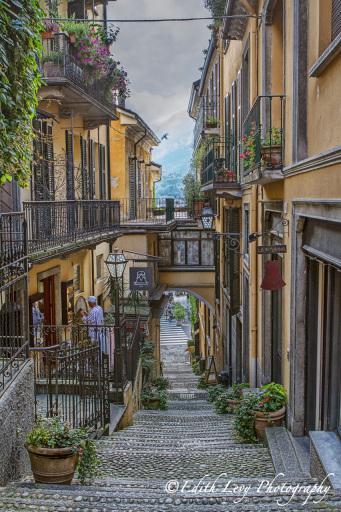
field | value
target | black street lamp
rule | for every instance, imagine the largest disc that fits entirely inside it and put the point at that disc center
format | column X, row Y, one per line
column 116, row 263
column 207, row 218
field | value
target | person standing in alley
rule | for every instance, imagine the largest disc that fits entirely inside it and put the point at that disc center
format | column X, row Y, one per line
column 95, row 319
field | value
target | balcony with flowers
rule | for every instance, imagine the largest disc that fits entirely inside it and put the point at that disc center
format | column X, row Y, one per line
column 262, row 143
column 77, row 56
column 216, row 171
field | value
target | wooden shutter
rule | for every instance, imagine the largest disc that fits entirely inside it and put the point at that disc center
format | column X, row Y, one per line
column 102, row 170
column 336, row 18
column 37, row 161
column 132, row 188
column 234, row 127
column 234, row 262
column 70, row 182
column 50, row 162
column 92, row 174
column 84, row 168
column 227, row 130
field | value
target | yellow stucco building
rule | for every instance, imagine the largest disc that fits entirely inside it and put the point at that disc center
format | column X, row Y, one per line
column 270, row 81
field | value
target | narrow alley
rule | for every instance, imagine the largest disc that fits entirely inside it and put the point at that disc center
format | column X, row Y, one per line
column 183, row 458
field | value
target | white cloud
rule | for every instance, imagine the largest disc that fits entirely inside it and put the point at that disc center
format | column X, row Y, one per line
column 162, row 61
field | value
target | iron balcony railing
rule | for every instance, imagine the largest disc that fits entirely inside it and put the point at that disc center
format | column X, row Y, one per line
column 262, row 144
column 158, row 210
column 208, row 118
column 59, row 60
column 13, row 296
column 55, row 224
column 216, row 164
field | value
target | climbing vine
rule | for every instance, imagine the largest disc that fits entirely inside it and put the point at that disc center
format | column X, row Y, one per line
column 20, row 48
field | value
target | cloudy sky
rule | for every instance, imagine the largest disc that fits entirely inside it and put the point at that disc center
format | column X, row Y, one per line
column 162, row 61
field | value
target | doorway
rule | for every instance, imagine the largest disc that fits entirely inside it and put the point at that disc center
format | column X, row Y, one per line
column 323, row 352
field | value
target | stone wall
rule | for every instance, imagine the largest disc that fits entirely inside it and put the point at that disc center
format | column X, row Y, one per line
column 17, row 417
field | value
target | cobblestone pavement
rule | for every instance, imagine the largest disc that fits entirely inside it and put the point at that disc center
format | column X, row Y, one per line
column 183, row 451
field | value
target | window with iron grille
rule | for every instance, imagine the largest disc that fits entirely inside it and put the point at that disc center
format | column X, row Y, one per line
column 43, row 161
column 70, row 179
column 85, row 178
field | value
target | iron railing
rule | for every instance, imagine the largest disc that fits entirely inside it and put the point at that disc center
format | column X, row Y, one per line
column 216, row 164
column 262, row 144
column 13, row 296
column 53, row 224
column 80, row 367
column 60, row 60
column 159, row 210
column 208, row 118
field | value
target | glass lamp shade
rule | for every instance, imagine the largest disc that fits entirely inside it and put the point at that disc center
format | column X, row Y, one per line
column 116, row 263
column 207, row 218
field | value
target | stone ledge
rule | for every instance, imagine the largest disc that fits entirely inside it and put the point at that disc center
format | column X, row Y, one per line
column 283, row 453
column 325, row 449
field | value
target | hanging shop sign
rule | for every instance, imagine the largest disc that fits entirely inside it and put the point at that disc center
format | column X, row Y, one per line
column 271, row 249
column 141, row 278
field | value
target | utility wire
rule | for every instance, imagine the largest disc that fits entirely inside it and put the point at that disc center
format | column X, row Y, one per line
column 156, row 20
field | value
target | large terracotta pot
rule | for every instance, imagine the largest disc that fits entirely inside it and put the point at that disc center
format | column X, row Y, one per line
column 272, row 419
column 272, row 155
column 53, row 465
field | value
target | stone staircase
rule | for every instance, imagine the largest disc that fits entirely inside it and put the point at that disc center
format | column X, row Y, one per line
column 183, row 459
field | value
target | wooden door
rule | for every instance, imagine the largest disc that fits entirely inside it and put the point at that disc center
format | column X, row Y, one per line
column 49, row 310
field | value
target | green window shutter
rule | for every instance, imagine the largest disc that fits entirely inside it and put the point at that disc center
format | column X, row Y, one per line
column 92, row 175
column 70, row 181
column 234, row 263
column 227, row 130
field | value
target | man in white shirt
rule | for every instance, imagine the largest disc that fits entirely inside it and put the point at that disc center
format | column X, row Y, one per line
column 95, row 318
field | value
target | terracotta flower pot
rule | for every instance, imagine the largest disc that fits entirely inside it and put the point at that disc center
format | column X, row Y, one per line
column 272, row 155
column 212, row 124
column 53, row 465
column 233, row 404
column 272, row 419
column 47, row 35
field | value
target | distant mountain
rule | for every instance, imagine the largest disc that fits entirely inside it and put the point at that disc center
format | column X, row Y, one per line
column 175, row 166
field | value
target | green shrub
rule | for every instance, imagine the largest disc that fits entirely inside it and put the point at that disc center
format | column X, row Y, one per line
column 215, row 391
column 196, row 367
column 202, row 384
column 161, row 383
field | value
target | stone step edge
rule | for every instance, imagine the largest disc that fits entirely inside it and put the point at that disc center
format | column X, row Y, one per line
column 283, row 453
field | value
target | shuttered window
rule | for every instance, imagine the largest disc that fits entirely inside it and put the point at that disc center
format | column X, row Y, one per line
column 234, row 127
column 232, row 260
column 102, row 171
column 43, row 162
column 336, row 18
column 85, row 168
column 228, row 130
column 92, row 174
column 70, row 180
column 245, row 78
column 132, row 188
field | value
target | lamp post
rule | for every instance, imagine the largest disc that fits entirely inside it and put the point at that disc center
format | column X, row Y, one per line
column 116, row 263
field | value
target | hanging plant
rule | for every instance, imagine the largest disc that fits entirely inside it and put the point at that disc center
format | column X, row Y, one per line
column 20, row 47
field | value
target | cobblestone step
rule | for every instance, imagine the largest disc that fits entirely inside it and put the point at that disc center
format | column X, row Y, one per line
column 145, row 467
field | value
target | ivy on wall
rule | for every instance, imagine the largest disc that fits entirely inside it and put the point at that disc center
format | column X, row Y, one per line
column 20, row 48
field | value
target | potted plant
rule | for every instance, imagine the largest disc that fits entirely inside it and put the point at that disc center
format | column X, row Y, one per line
column 179, row 313
column 211, row 122
column 260, row 410
column 56, row 450
column 52, row 61
column 75, row 29
column 215, row 391
column 190, row 347
column 270, row 411
column 225, row 175
column 153, row 397
column 271, row 149
column 50, row 27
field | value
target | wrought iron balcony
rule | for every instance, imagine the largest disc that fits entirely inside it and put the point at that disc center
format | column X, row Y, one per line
column 59, row 64
column 262, row 144
column 208, row 119
column 13, row 296
column 62, row 225
column 158, row 210
column 216, row 172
